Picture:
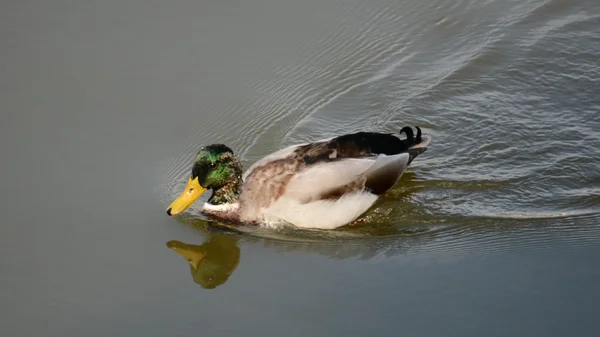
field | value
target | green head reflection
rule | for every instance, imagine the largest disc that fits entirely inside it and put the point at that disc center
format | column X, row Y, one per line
column 212, row 262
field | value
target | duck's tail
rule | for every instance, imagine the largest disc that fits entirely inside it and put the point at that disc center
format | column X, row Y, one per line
column 416, row 144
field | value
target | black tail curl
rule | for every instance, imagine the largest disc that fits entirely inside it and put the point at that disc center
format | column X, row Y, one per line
column 411, row 141
column 410, row 136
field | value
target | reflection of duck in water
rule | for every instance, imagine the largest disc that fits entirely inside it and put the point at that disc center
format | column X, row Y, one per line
column 212, row 262
column 324, row 184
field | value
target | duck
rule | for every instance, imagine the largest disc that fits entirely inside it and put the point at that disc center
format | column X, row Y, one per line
column 323, row 184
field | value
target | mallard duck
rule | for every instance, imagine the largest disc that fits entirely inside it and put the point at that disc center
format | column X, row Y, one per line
column 323, row 184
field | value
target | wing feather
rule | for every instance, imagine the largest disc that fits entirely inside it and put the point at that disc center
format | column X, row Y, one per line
column 279, row 154
column 317, row 181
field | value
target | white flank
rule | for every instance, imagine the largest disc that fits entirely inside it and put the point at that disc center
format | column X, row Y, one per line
column 221, row 208
column 311, row 183
column 395, row 163
column 322, row 214
column 315, row 181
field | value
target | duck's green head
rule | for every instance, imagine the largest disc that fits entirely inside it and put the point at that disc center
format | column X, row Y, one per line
column 215, row 167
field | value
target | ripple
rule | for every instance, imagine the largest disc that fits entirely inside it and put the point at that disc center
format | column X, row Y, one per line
column 511, row 108
column 538, row 215
column 475, row 237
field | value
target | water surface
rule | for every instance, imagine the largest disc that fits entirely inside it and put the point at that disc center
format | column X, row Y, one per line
column 495, row 230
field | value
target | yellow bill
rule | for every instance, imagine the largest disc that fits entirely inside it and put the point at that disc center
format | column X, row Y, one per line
column 192, row 191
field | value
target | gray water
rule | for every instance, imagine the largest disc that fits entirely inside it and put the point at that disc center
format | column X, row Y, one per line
column 494, row 231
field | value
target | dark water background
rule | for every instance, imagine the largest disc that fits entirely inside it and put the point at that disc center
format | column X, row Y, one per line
column 495, row 231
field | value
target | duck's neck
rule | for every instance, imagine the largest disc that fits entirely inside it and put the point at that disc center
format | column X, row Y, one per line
column 230, row 192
